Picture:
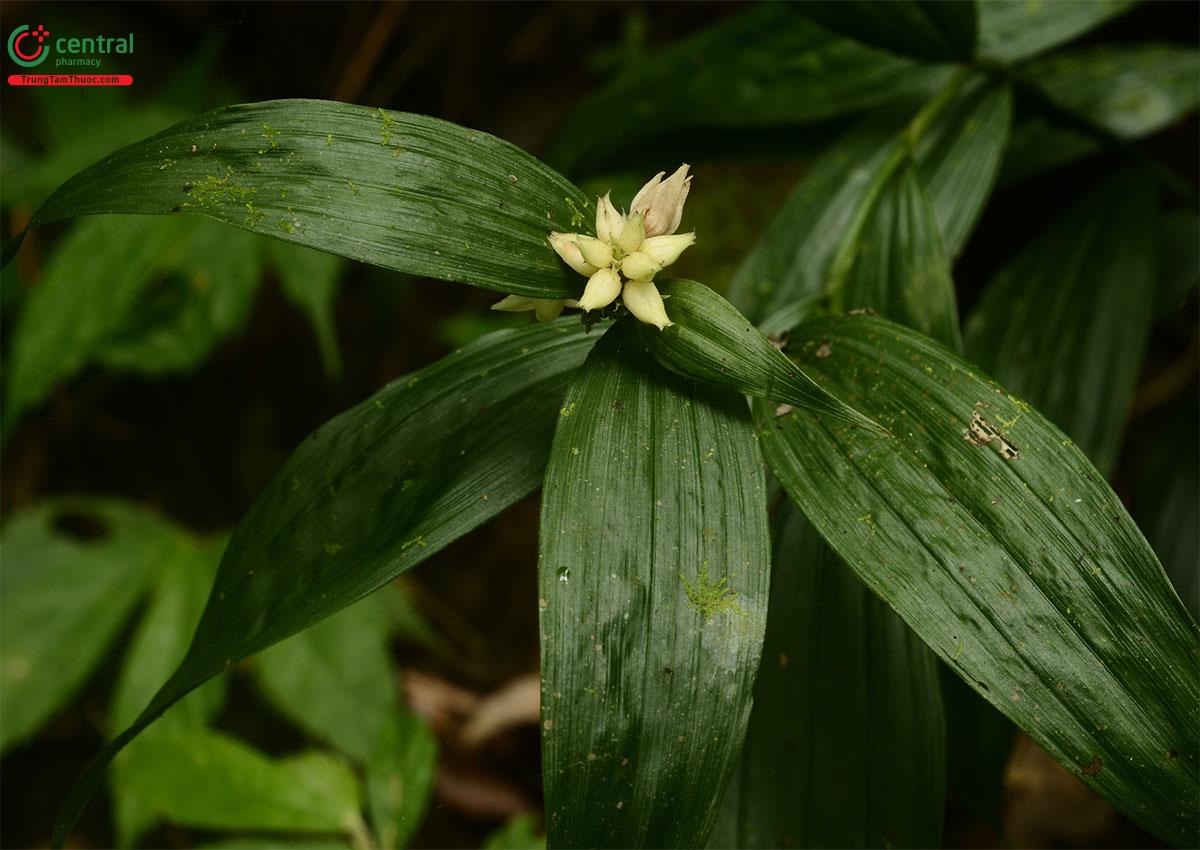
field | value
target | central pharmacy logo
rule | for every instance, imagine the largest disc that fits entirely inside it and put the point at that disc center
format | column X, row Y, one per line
column 23, row 50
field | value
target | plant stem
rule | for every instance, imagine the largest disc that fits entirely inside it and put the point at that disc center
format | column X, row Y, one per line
column 905, row 144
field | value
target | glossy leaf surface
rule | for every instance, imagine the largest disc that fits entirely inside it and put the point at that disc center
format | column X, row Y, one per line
column 846, row 737
column 401, row 191
column 653, row 579
column 371, row 494
column 1004, row 549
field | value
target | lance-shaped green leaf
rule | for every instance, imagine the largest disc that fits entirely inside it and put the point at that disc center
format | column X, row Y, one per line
column 765, row 67
column 994, row 538
column 1132, row 90
column 1065, row 324
column 400, row 778
column 208, row 297
column 1011, row 31
column 1167, row 500
column 521, row 832
column 370, row 494
column 956, row 140
column 84, row 296
column 401, row 191
column 896, row 264
column 1180, row 263
column 335, row 679
column 207, row 779
column 73, row 571
column 181, row 588
column 309, row 279
column 712, row 342
column 653, row 578
column 846, row 737
column 923, row 29
column 832, row 794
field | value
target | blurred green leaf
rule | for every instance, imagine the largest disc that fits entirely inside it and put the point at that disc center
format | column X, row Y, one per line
column 979, row 741
column 29, row 180
column 1012, row 30
column 712, row 342
column 406, row 620
column 258, row 842
column 206, row 779
column 957, row 140
column 1168, row 501
column 400, row 778
column 1038, row 146
column 923, row 29
column 209, row 296
column 405, row 192
column 371, row 494
column 73, row 570
column 180, row 591
column 958, row 157
column 1007, row 553
column 833, row 793
column 896, row 264
column 309, row 280
column 1065, row 323
column 89, row 286
column 335, row 679
column 653, row 574
column 1179, row 267
column 845, row 745
column 520, row 832
column 1132, row 90
column 763, row 68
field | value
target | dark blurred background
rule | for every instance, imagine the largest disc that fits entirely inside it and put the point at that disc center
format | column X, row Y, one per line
column 200, row 446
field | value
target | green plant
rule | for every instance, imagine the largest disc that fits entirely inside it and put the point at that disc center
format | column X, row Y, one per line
column 990, row 535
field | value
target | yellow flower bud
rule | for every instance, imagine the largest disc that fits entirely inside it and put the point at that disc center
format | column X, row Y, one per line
column 546, row 309
column 609, row 221
column 641, row 298
column 513, row 304
column 665, row 250
column 564, row 244
column 633, row 234
column 602, row 289
column 595, row 252
column 660, row 202
column 638, row 266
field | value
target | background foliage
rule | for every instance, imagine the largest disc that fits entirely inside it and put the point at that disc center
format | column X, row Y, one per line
column 1038, row 216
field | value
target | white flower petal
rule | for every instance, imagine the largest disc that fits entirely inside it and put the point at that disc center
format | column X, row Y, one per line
column 665, row 250
column 609, row 220
column 602, row 289
column 641, row 298
column 646, row 194
column 662, row 205
column 514, row 304
column 547, row 309
column 633, row 234
column 595, row 253
column 638, row 266
column 564, row 245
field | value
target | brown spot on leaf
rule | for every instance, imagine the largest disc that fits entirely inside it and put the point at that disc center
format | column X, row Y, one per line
column 1095, row 767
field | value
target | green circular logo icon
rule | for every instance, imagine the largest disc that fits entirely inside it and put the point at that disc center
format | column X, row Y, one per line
column 27, row 47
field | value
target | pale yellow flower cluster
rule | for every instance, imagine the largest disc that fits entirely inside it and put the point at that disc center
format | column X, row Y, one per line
column 626, row 253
